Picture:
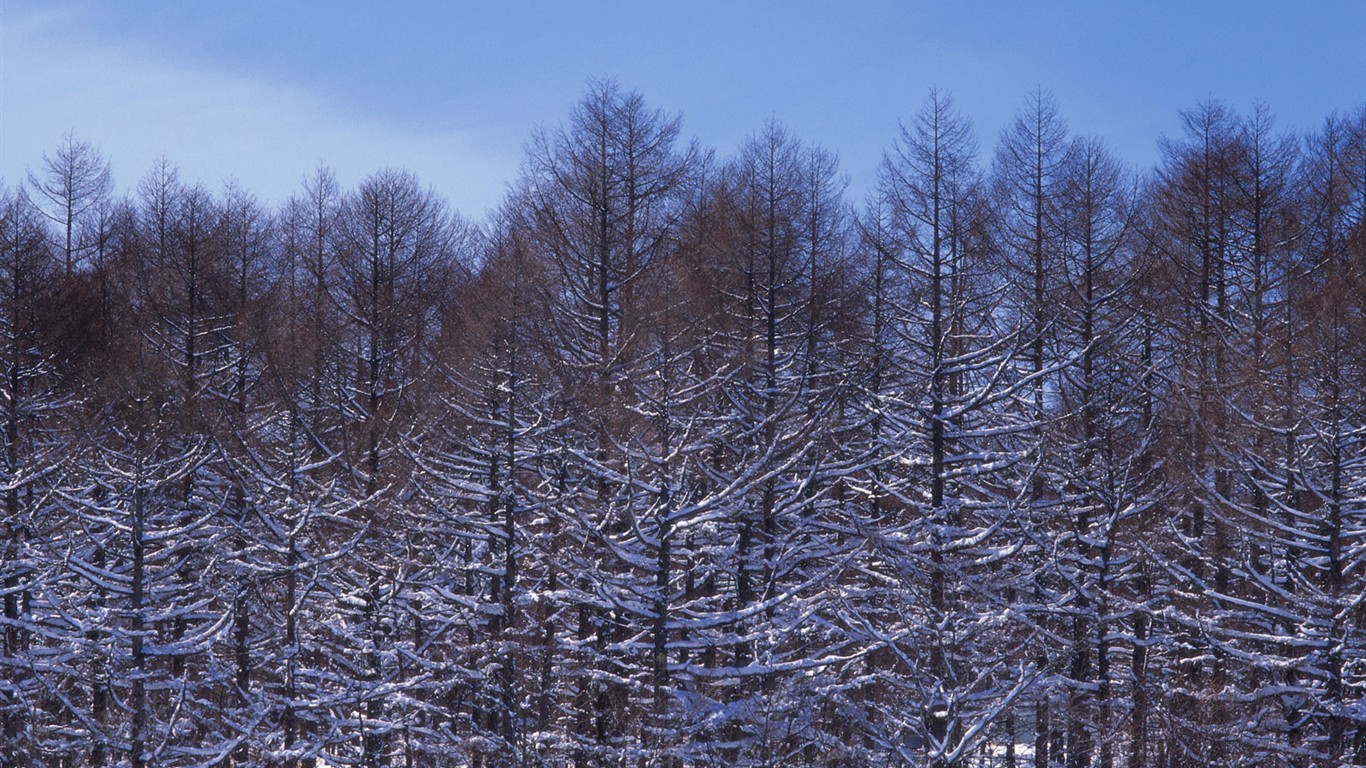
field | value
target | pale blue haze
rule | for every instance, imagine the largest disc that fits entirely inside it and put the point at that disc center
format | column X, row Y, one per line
column 266, row 90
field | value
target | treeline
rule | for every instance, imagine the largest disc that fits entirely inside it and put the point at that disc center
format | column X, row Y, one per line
column 1029, row 460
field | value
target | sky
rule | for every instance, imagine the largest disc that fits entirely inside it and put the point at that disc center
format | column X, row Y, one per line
column 263, row 92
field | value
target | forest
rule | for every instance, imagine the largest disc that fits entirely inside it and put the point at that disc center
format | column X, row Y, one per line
column 1030, row 459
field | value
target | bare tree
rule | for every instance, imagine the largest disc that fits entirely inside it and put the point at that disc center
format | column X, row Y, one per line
column 948, row 550
column 74, row 183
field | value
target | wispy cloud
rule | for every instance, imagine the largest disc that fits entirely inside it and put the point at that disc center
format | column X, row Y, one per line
column 55, row 76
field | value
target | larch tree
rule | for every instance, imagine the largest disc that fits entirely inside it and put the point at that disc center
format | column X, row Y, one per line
column 780, row 252
column 72, row 188
column 1193, row 228
column 30, row 719
column 604, row 198
column 948, row 549
column 398, row 250
column 1102, row 441
column 1027, row 172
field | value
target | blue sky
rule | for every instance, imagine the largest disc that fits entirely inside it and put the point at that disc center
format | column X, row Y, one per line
column 265, row 91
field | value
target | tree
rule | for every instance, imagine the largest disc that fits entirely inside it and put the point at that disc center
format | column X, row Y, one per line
column 774, row 464
column 948, row 556
column 138, row 601
column 1193, row 225
column 1027, row 173
column 304, row 516
column 399, row 250
column 74, row 186
column 1334, row 180
column 1102, row 433
column 604, row 199
column 29, row 458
